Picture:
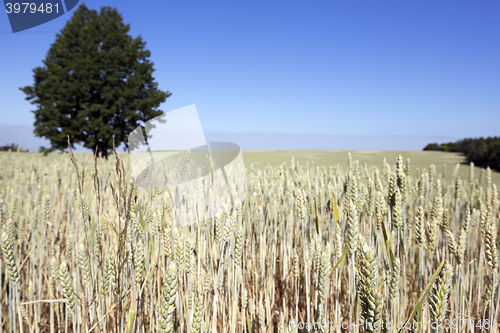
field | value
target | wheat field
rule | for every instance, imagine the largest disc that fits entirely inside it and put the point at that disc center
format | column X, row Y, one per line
column 360, row 248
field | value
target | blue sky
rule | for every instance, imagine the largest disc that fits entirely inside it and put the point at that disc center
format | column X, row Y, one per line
column 402, row 69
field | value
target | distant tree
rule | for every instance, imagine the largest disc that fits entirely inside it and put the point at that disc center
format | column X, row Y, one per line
column 96, row 84
column 494, row 154
column 432, row 146
column 483, row 152
column 13, row 147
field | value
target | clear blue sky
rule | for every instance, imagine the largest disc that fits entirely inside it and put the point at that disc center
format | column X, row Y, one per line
column 361, row 68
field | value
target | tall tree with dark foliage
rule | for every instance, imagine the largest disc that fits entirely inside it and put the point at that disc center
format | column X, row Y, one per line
column 96, row 83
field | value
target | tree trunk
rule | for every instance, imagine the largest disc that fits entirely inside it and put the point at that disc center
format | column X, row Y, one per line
column 104, row 153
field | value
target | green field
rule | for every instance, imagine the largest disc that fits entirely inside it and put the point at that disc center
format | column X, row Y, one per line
column 418, row 159
column 332, row 158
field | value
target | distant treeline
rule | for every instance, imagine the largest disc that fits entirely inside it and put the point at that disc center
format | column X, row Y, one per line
column 12, row 147
column 483, row 152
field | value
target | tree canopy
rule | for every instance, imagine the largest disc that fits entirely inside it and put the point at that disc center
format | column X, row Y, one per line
column 483, row 152
column 96, row 84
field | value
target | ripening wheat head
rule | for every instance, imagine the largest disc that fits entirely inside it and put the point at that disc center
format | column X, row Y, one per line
column 368, row 288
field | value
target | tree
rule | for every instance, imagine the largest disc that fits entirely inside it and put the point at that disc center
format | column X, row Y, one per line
column 13, row 147
column 96, row 84
column 483, row 152
column 432, row 146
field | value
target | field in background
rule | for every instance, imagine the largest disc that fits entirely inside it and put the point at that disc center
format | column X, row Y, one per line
column 418, row 159
column 332, row 158
column 327, row 158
